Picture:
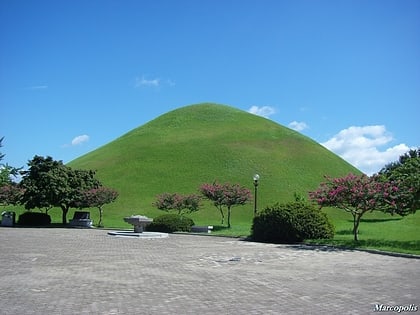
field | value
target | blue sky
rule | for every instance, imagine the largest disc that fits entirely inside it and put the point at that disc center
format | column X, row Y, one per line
column 75, row 75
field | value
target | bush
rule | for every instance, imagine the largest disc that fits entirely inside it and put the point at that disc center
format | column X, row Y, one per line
column 34, row 219
column 170, row 223
column 291, row 223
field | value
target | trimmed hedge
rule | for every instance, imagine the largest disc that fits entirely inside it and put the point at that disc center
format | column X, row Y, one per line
column 291, row 223
column 170, row 223
column 34, row 219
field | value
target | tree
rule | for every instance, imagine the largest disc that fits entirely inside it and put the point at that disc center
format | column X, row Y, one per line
column 97, row 197
column 406, row 172
column 178, row 202
column 6, row 171
column 225, row 195
column 358, row 195
column 10, row 194
column 50, row 183
column 36, row 183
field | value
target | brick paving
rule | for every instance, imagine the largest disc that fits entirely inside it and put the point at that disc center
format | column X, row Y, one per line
column 87, row 271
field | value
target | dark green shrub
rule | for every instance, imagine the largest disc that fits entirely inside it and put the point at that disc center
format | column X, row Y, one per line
column 290, row 223
column 170, row 223
column 34, row 219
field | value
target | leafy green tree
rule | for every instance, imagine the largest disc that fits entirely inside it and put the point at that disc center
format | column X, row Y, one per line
column 49, row 183
column 37, row 183
column 6, row 171
column 178, row 202
column 98, row 197
column 405, row 172
column 225, row 195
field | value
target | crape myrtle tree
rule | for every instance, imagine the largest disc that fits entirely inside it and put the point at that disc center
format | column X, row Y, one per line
column 97, row 197
column 10, row 194
column 225, row 195
column 358, row 194
column 49, row 183
column 177, row 202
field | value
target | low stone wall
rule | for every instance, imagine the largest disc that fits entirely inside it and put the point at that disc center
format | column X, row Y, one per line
column 201, row 228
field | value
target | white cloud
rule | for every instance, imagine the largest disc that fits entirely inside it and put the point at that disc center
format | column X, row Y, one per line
column 145, row 82
column 37, row 87
column 298, row 126
column 79, row 140
column 359, row 147
column 264, row 111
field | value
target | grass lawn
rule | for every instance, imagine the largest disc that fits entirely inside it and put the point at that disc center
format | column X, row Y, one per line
column 376, row 231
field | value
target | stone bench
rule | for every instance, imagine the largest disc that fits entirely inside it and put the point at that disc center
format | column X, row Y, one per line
column 81, row 219
column 201, row 228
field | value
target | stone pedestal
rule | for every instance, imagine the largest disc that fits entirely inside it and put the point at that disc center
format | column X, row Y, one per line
column 139, row 222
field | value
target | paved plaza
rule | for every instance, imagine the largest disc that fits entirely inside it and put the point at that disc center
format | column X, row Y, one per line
column 87, row 271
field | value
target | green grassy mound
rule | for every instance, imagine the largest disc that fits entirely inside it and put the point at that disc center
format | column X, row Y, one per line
column 184, row 148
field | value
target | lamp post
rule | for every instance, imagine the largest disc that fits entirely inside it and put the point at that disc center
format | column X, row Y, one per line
column 256, row 178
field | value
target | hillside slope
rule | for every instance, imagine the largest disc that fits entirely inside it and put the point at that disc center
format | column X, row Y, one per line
column 184, row 148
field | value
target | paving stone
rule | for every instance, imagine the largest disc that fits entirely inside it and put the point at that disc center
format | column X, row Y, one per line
column 87, row 271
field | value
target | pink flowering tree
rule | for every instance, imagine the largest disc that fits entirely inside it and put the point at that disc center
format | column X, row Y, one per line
column 10, row 194
column 360, row 194
column 177, row 202
column 98, row 197
column 225, row 195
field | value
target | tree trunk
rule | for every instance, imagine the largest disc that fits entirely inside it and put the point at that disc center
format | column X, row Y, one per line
column 64, row 216
column 100, row 217
column 356, row 222
column 222, row 214
column 228, row 218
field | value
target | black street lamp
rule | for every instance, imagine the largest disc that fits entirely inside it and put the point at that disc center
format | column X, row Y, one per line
column 256, row 178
